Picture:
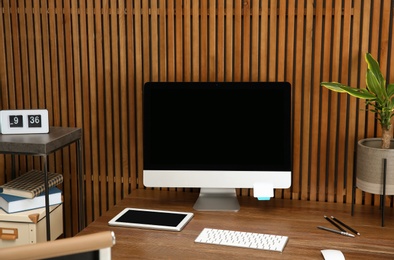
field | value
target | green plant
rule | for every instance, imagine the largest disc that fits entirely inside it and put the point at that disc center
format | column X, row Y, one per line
column 377, row 94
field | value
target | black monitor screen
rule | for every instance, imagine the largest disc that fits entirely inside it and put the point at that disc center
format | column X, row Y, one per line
column 217, row 126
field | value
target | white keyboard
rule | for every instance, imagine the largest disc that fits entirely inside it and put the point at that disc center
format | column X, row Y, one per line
column 242, row 239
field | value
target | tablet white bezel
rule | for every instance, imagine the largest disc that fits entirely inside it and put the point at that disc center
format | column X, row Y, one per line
column 179, row 227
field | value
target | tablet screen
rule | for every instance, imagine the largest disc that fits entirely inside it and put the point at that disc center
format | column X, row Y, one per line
column 154, row 219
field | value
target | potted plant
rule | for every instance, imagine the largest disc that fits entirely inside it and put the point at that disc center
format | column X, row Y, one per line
column 373, row 152
column 377, row 95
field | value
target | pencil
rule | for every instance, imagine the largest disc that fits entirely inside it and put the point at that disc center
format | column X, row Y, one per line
column 335, row 224
column 336, row 231
column 346, row 226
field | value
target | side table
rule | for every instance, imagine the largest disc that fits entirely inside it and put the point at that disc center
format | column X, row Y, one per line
column 43, row 145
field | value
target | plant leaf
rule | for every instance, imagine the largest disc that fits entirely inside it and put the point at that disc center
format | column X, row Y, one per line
column 334, row 86
column 355, row 92
column 374, row 85
column 373, row 66
column 390, row 90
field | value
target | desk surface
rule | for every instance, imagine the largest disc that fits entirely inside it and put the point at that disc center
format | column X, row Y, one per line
column 296, row 219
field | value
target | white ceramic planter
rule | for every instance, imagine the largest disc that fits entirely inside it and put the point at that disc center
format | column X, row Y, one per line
column 370, row 166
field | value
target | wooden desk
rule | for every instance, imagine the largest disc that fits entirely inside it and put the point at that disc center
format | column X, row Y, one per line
column 296, row 219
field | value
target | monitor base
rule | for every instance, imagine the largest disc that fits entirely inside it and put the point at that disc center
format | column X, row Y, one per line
column 214, row 199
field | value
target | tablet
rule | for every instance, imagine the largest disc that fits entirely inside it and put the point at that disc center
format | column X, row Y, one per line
column 152, row 219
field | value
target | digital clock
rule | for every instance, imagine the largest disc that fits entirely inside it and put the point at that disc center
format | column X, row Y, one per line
column 24, row 121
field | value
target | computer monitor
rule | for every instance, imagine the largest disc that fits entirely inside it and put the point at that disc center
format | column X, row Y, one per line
column 217, row 136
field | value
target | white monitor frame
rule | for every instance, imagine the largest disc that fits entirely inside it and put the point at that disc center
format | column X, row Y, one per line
column 216, row 194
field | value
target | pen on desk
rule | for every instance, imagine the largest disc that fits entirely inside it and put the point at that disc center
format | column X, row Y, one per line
column 335, row 224
column 336, row 231
column 346, row 226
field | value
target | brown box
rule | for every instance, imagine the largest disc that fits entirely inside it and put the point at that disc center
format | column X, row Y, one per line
column 29, row 227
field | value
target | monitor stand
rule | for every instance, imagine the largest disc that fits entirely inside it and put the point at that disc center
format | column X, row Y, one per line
column 217, row 199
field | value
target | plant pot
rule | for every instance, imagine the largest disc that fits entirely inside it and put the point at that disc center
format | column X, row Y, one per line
column 370, row 166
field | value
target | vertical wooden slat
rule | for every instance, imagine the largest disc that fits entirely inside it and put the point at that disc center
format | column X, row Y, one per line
column 246, row 41
column 66, row 72
column 84, row 95
column 243, row 19
column 55, row 63
column 124, row 169
column 290, row 77
column 272, row 46
column 9, row 72
column 298, row 97
column 3, row 56
column 38, row 93
column 306, row 99
column 220, row 41
column 116, row 99
column 75, row 95
column 16, row 55
column 3, row 82
column 139, row 81
column 37, row 96
column 315, row 111
column 298, row 58
column 195, row 41
column 364, row 46
column 46, row 95
column 264, row 41
column 24, row 56
column 237, row 30
column 333, row 120
column 31, row 94
column 131, row 77
column 163, row 42
column 203, row 34
column 152, row 43
column 91, row 160
column 228, row 45
column 254, row 73
column 372, row 9
column 281, row 45
column 102, row 164
column 343, row 115
column 354, row 109
column 179, row 40
column 187, row 32
column 213, row 50
column 171, row 40
column 109, row 152
column 324, row 107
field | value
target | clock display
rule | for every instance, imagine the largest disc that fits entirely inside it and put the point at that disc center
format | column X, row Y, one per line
column 34, row 120
column 24, row 121
column 16, row 121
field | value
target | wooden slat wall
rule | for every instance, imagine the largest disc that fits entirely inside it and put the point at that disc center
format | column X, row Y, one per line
column 86, row 62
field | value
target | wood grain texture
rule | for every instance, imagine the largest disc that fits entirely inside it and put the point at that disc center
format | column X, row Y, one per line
column 293, row 218
column 87, row 63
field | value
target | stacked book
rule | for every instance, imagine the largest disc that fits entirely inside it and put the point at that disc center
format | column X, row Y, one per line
column 27, row 192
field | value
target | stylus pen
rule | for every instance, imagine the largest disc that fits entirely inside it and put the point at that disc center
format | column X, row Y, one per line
column 346, row 226
column 335, row 224
column 336, row 231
